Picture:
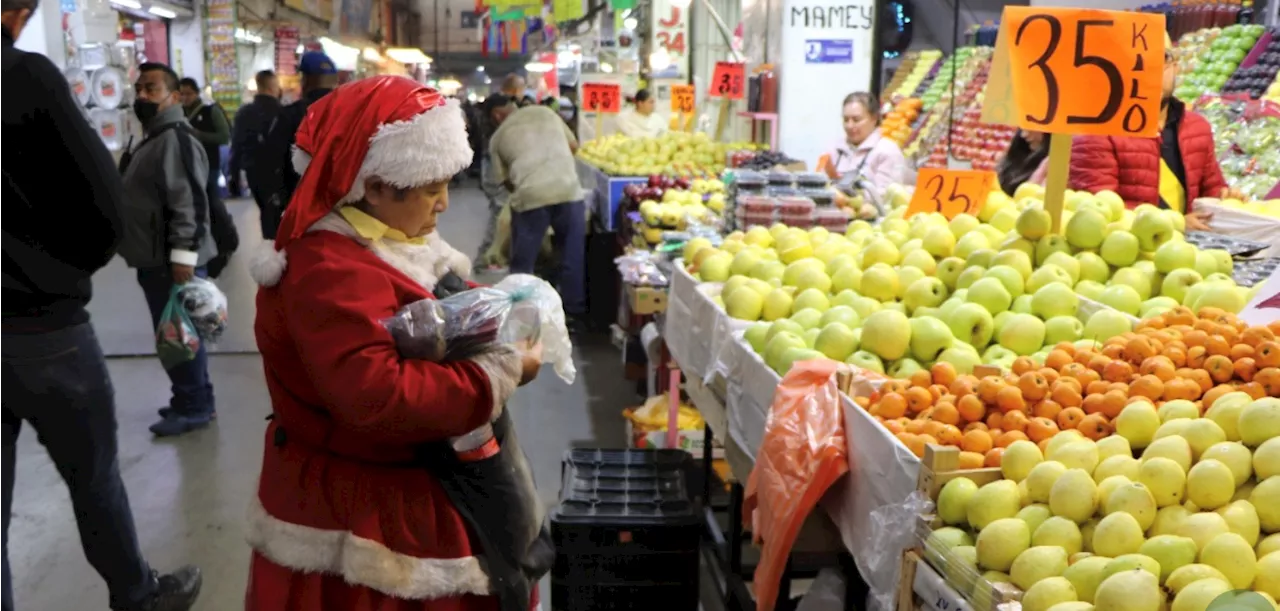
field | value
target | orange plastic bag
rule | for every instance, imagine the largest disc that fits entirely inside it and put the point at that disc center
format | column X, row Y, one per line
column 802, row 454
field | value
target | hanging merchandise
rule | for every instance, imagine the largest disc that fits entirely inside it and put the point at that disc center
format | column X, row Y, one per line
column 224, row 63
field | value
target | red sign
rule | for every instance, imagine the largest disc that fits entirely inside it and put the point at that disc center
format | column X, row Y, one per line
column 604, row 98
column 729, row 80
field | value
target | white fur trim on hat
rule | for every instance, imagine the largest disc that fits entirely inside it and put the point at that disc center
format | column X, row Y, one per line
column 430, row 147
column 267, row 265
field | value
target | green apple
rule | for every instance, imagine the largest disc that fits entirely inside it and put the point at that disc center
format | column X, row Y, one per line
column 745, row 261
column 903, row 368
column 777, row 304
column 1006, row 219
column 910, row 246
column 962, row 224
column 1092, row 267
column 764, row 288
column 963, row 357
column 715, row 267
column 921, row 260
column 1085, row 230
column 997, row 200
column 1016, row 259
column 842, row 314
column 1013, row 241
column 845, row 298
column 1047, row 275
column 1157, row 302
column 811, row 298
column 1062, row 329
column 1021, row 304
column 1223, row 296
column 887, row 334
column 836, row 340
column 792, row 272
column 813, row 279
column 1055, row 299
column 811, row 336
column 1090, row 289
column 990, row 294
column 744, row 305
column 1135, row 278
column 1177, row 281
column 949, row 270
column 732, row 284
column 1153, row 229
column 998, row 322
column 999, row 356
column 1120, row 248
column 1034, row 223
column 939, row 242
column 907, row 276
column 981, row 258
column 880, row 250
column 1097, row 206
column 971, row 323
column 1106, row 324
column 1205, row 263
column 1023, row 334
column 1113, row 201
column 880, row 281
column 848, row 277
column 866, row 360
column 1175, row 254
column 1068, row 264
column 807, row 318
column 925, row 293
column 791, row 356
column 1049, row 245
column 780, row 343
column 865, row 306
column 969, row 243
column 1013, row 281
column 1225, row 264
column 970, row 275
column 1123, row 298
column 756, row 336
column 929, row 337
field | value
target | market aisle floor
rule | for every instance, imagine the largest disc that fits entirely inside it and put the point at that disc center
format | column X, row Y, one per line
column 189, row 495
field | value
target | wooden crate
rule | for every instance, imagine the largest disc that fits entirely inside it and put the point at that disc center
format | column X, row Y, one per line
column 941, row 464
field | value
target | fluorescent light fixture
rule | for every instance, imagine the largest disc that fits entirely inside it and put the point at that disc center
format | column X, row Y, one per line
column 344, row 57
column 161, row 12
column 659, row 60
column 133, row 4
column 449, row 85
column 371, row 55
column 408, row 56
column 479, row 68
column 539, row 67
column 244, row 35
column 630, row 23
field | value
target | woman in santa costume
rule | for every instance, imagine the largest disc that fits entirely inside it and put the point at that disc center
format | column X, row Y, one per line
column 346, row 518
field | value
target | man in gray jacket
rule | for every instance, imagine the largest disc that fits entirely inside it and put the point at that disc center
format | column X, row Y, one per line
column 166, row 229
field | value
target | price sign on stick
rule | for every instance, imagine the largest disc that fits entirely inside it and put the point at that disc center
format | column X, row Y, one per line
column 682, row 99
column 729, row 80
column 950, row 192
column 1086, row 71
column 604, row 98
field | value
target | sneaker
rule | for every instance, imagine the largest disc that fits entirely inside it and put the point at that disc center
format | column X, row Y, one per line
column 177, row 424
column 165, row 411
column 176, row 591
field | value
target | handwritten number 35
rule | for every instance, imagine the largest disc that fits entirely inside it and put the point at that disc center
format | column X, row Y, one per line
column 936, row 183
column 1115, row 83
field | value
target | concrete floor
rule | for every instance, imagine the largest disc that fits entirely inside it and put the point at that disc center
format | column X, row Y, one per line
column 189, row 494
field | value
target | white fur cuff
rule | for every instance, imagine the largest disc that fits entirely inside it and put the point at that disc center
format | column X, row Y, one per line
column 503, row 365
column 267, row 265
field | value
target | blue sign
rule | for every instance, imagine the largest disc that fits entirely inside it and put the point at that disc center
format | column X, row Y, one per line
column 828, row 51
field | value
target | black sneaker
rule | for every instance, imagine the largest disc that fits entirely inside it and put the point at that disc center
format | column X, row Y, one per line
column 165, row 411
column 177, row 423
column 176, row 591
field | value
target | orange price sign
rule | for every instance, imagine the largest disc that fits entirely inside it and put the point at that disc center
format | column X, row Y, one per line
column 1085, row 71
column 682, row 99
column 604, row 98
column 729, row 80
column 950, row 192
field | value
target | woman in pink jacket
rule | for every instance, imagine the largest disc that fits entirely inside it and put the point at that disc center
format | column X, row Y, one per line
column 864, row 151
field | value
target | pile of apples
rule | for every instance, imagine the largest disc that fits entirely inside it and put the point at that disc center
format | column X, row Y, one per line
column 1226, row 52
column 676, row 207
column 1182, row 511
column 902, row 296
column 671, row 154
column 912, row 72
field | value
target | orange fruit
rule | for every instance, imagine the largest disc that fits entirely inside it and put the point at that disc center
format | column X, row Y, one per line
column 1033, row 386
column 1015, row 421
column 1217, row 391
column 1148, row 386
column 949, row 435
column 1269, row 379
column 1066, row 392
column 992, row 458
column 944, row 373
column 1047, row 408
column 921, row 378
column 1022, row 365
column 1070, row 418
column 1095, row 427
column 918, row 399
column 1267, row 354
column 1057, row 359
column 1245, row 368
column 946, row 413
column 1117, row 371
column 971, row 460
column 1113, row 402
column 1040, row 429
column 892, row 405
column 1009, row 399
column 977, row 441
column 971, row 408
column 988, row 388
column 975, row 426
column 1008, row 437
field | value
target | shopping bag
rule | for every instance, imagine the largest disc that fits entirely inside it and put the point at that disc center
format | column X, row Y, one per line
column 177, row 340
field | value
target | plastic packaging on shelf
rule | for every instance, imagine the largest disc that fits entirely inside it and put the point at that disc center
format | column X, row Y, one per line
column 795, row 206
column 750, row 181
column 781, row 178
column 832, row 219
column 757, row 204
column 640, row 268
column 822, row 197
column 810, row 180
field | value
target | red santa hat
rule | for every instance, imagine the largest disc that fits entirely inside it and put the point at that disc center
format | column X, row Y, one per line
column 386, row 127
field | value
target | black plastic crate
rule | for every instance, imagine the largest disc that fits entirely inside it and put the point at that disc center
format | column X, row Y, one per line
column 626, row 532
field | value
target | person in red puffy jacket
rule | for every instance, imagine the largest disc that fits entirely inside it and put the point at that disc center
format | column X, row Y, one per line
column 1170, row 170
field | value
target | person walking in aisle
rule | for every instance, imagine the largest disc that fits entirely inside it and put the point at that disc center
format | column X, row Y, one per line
column 532, row 154
column 492, row 256
column 249, row 130
column 319, row 77
column 210, row 124
column 166, row 229
column 54, row 374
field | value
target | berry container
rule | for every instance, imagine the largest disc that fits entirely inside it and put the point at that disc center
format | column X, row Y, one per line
column 781, row 178
column 757, row 204
column 833, row 219
column 750, row 182
column 626, row 533
column 811, row 180
column 822, row 197
column 795, row 205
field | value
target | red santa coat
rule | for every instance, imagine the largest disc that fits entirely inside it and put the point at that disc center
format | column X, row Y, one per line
column 344, row 519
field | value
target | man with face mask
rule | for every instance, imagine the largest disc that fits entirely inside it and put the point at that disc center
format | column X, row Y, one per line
column 251, row 125
column 1169, row 171
column 166, row 229
column 55, row 377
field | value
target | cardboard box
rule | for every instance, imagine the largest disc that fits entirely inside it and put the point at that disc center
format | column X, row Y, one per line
column 646, row 300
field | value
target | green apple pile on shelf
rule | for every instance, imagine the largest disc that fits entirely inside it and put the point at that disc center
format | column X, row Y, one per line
column 1169, row 515
column 922, row 63
column 973, row 290
column 1224, row 55
column 677, row 207
column 672, row 153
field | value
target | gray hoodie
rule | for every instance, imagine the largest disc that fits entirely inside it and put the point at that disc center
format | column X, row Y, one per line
column 166, row 209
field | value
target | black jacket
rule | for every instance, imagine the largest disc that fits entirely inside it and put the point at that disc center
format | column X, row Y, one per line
column 62, row 198
column 248, row 133
column 277, row 149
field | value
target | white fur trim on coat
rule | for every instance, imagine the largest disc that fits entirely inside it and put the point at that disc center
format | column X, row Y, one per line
column 266, row 267
column 430, row 147
column 503, row 366
column 362, row 562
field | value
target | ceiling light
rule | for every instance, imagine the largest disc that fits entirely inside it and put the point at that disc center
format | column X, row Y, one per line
column 408, row 56
column 371, row 55
column 479, row 68
column 606, row 68
column 133, row 4
column 449, row 85
column 247, row 36
column 630, row 23
column 162, row 12
column 539, row 67
column 659, row 60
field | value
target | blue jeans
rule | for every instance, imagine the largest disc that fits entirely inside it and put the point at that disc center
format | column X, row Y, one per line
column 57, row 382
column 569, row 222
column 192, row 390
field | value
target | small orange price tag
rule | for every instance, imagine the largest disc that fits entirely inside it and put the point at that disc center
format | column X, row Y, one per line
column 604, row 98
column 1057, row 53
column 682, row 99
column 729, row 80
column 950, row 192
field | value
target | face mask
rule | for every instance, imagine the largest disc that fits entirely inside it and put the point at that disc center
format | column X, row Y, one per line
column 145, row 110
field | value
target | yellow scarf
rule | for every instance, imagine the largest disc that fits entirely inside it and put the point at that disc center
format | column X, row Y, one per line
column 1172, row 192
column 371, row 228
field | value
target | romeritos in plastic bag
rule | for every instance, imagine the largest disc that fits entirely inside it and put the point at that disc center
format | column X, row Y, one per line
column 206, row 305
